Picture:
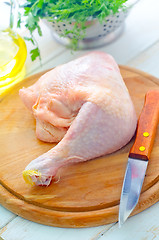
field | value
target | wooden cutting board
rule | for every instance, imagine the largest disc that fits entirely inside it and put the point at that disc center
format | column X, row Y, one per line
column 88, row 193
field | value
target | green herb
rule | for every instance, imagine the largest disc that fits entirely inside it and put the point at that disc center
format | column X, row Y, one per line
column 11, row 15
column 67, row 11
column 34, row 53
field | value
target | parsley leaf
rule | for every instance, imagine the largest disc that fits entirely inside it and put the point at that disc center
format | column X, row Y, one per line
column 35, row 53
column 67, row 11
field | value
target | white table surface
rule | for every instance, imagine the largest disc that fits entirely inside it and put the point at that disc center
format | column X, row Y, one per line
column 137, row 47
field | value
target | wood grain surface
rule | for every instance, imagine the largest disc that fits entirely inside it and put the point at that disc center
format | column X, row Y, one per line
column 88, row 193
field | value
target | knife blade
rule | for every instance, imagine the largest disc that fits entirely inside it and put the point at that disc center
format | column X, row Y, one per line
column 139, row 155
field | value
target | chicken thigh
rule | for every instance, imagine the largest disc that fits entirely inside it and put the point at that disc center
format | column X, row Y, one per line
column 85, row 106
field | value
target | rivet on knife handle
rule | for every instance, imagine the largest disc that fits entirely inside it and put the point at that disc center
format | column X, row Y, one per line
column 146, row 130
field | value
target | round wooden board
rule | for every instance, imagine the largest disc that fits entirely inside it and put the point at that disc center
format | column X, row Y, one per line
column 88, row 193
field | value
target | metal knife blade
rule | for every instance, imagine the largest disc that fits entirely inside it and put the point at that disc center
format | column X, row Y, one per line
column 139, row 155
column 132, row 185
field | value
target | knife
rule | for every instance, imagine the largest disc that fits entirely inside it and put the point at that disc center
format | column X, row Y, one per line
column 139, row 155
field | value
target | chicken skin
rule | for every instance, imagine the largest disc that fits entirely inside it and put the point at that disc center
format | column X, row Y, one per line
column 83, row 105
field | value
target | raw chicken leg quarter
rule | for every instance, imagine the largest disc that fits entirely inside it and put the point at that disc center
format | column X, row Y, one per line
column 85, row 106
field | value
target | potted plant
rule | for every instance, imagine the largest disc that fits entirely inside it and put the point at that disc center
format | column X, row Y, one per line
column 76, row 23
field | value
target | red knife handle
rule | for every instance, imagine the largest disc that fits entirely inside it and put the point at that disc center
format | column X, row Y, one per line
column 146, row 127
